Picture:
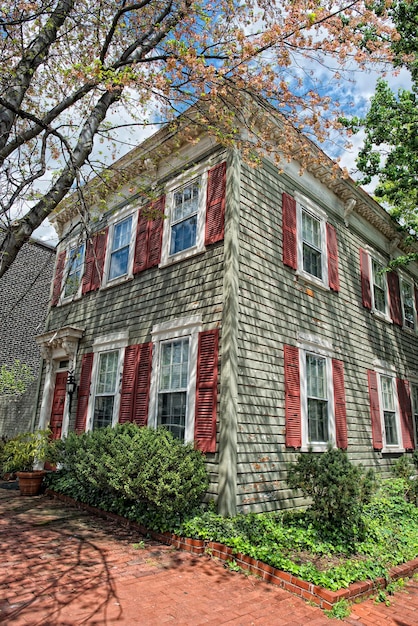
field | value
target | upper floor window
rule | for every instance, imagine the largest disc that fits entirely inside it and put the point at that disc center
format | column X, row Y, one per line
column 75, row 269
column 119, row 248
column 194, row 210
column 408, row 304
column 184, row 217
column 310, row 242
column 380, row 288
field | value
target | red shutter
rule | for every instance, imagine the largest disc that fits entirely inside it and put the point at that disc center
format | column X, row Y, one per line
column 375, row 410
column 155, row 233
column 136, row 384
column 149, row 235
column 292, row 397
column 215, row 204
column 206, row 391
column 83, row 393
column 59, row 273
column 394, row 298
column 94, row 263
column 365, row 279
column 128, row 384
column 98, row 264
column 140, row 256
column 339, row 404
column 143, row 380
column 332, row 249
column 290, row 255
column 404, row 396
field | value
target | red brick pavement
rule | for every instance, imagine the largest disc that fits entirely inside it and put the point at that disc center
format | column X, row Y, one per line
column 60, row 566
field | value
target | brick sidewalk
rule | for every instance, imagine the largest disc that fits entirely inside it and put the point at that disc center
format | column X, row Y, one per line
column 60, row 566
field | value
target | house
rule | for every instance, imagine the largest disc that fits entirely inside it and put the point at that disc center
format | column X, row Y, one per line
column 24, row 302
column 245, row 308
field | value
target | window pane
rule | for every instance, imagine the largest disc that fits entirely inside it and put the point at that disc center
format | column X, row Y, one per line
column 408, row 304
column 103, row 411
column 311, row 245
column 317, row 421
column 120, row 248
column 379, row 286
column 74, row 270
column 172, row 412
column 316, row 376
column 107, row 375
column 390, row 428
column 183, row 235
column 387, row 394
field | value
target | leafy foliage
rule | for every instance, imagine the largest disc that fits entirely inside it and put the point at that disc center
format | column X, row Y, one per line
column 21, row 453
column 67, row 66
column 406, row 469
column 390, row 149
column 293, row 542
column 145, row 474
column 14, row 379
column 338, row 490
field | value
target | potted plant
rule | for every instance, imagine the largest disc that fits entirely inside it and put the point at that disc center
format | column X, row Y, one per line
column 23, row 454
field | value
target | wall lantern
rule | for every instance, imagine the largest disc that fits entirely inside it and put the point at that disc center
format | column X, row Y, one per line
column 71, row 388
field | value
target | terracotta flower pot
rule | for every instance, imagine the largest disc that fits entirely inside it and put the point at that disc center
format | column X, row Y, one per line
column 30, row 482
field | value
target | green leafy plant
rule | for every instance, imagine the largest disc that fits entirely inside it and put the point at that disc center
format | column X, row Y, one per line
column 340, row 610
column 143, row 473
column 24, row 451
column 405, row 468
column 338, row 490
column 14, row 379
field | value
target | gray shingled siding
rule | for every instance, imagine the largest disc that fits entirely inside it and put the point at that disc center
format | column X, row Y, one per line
column 24, row 296
column 274, row 307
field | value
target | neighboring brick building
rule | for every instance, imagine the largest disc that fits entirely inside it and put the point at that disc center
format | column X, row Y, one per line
column 24, row 295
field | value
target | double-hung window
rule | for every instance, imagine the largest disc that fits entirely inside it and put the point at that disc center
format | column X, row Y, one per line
column 75, row 266
column 390, row 421
column 379, row 287
column 184, row 217
column 408, row 304
column 106, row 389
column 173, row 381
column 106, row 375
column 318, row 414
column 312, row 244
column 173, row 386
column 414, row 393
column 120, row 247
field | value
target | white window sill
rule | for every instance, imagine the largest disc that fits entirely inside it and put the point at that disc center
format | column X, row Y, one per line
column 381, row 316
column 116, row 281
column 392, row 450
column 180, row 256
column 69, row 299
column 312, row 280
column 316, row 447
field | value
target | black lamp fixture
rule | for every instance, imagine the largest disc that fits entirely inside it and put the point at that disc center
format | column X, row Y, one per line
column 71, row 387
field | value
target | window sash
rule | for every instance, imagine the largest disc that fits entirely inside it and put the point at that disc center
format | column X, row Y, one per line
column 173, row 386
column 312, row 252
column 317, row 399
column 75, row 268
column 379, row 286
column 408, row 304
column 389, row 411
column 119, row 254
column 184, row 217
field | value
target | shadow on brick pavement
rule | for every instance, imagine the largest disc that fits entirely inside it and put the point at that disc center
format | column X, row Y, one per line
column 61, row 566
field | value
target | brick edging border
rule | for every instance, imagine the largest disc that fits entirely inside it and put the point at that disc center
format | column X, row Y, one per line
column 323, row 598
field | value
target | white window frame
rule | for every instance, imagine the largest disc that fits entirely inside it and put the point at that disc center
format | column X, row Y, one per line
column 320, row 348
column 414, row 402
column 116, row 218
column 109, row 343
column 199, row 171
column 403, row 279
column 73, row 245
column 189, row 327
column 386, row 314
column 389, row 372
column 304, row 204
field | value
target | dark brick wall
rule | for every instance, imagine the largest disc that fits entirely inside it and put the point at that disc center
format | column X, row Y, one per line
column 24, row 296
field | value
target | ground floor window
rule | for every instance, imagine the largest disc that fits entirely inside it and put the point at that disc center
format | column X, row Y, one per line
column 106, row 389
column 173, row 386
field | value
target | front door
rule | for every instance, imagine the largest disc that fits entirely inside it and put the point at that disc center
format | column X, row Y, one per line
column 58, row 404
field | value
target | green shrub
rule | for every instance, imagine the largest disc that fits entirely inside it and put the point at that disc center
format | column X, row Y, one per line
column 338, row 490
column 23, row 452
column 142, row 473
column 406, row 469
